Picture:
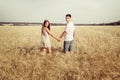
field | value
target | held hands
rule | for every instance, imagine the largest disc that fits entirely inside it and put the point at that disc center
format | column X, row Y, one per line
column 58, row 39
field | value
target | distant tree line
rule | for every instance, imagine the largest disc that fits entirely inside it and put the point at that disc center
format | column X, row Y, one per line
column 113, row 23
column 54, row 24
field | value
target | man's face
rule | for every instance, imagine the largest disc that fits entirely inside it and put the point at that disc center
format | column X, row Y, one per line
column 68, row 19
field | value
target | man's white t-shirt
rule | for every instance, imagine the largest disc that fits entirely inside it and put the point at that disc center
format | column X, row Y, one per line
column 69, row 31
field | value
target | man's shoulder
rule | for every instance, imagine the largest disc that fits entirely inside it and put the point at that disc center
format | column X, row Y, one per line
column 70, row 23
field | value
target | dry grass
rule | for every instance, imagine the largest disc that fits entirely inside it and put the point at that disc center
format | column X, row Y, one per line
column 96, row 55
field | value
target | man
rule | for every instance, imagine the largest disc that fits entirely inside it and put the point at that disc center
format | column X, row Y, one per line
column 68, row 34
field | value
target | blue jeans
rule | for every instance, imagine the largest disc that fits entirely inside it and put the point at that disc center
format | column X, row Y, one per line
column 68, row 46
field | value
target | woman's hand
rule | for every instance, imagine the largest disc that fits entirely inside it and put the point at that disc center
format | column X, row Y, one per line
column 58, row 39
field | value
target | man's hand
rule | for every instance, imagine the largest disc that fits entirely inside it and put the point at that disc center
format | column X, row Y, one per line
column 59, row 39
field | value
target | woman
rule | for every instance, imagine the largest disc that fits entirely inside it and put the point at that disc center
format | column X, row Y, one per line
column 45, row 40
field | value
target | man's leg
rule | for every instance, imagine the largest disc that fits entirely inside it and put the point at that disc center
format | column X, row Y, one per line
column 66, row 46
column 71, row 46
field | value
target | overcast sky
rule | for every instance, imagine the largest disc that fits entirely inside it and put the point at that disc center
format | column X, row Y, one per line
column 83, row 11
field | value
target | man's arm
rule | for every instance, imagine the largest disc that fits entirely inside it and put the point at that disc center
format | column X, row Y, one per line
column 74, row 33
column 73, row 30
column 63, row 34
column 65, row 31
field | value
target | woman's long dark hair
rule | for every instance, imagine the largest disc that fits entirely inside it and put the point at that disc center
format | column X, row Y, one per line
column 45, row 23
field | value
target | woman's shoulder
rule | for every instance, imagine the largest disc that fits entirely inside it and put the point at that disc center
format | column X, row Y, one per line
column 45, row 29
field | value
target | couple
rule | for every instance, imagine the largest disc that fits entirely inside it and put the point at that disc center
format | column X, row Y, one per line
column 68, row 35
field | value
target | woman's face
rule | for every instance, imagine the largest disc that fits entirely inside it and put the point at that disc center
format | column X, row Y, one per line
column 46, row 24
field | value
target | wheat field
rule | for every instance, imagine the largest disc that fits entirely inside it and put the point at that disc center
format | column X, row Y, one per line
column 96, row 54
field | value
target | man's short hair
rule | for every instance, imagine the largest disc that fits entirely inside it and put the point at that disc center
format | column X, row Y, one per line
column 68, row 15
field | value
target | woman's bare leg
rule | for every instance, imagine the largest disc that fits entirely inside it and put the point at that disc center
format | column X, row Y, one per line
column 49, row 50
column 43, row 49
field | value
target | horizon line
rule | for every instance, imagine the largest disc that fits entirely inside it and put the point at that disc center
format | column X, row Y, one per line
column 55, row 23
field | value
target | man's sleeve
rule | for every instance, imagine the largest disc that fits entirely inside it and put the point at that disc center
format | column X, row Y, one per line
column 73, row 27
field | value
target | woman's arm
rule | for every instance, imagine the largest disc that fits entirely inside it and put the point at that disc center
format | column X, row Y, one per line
column 48, row 31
